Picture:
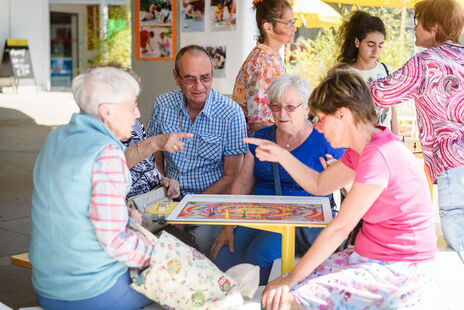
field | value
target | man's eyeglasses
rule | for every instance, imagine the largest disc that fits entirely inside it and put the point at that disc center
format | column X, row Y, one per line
column 288, row 108
column 192, row 80
column 318, row 124
column 289, row 23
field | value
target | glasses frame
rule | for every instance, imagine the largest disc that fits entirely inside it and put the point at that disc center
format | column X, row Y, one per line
column 416, row 21
column 193, row 82
column 320, row 121
column 287, row 108
column 289, row 23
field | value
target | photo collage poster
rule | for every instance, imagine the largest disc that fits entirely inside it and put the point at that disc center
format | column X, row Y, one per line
column 218, row 56
column 156, row 29
column 223, row 15
column 193, row 15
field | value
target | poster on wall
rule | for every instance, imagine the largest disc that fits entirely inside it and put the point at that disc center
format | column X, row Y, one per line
column 193, row 15
column 218, row 56
column 155, row 29
column 223, row 15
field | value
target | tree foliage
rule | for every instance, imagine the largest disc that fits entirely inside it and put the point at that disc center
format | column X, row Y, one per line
column 116, row 47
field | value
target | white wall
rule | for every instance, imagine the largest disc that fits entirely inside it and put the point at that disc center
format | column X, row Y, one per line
column 4, row 23
column 157, row 76
column 238, row 43
column 29, row 19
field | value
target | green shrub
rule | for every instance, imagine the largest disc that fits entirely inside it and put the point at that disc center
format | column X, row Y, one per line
column 116, row 47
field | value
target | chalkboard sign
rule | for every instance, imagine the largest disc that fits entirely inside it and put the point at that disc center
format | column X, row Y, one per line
column 16, row 60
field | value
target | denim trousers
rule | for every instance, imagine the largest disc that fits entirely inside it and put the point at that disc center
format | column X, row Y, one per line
column 119, row 297
column 451, row 204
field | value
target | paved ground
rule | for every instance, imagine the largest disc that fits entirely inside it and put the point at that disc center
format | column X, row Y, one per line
column 25, row 121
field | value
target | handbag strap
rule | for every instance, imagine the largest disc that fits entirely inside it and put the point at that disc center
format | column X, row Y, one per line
column 386, row 68
column 275, row 167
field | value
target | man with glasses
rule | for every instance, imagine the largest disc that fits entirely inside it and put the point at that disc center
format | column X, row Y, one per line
column 211, row 159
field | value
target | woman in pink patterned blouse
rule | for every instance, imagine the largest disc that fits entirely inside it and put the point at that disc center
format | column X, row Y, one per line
column 434, row 78
column 276, row 26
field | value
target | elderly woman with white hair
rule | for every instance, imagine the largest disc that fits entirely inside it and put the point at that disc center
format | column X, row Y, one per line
column 288, row 96
column 81, row 245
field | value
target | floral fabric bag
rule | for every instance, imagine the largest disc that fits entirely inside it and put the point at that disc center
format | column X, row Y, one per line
column 180, row 277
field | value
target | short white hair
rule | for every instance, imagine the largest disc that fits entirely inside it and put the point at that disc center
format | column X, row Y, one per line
column 281, row 83
column 102, row 85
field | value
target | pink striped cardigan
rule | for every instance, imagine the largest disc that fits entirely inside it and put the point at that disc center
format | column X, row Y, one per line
column 434, row 78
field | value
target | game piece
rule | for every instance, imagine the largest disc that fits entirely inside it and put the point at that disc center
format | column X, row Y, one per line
column 210, row 212
column 414, row 145
column 403, row 139
column 227, row 214
column 214, row 212
column 244, row 214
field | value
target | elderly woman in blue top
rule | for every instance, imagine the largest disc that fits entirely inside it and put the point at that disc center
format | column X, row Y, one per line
column 288, row 96
column 81, row 245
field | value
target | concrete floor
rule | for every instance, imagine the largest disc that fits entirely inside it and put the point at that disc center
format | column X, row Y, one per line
column 25, row 121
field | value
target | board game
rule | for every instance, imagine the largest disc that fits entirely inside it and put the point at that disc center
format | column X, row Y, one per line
column 252, row 208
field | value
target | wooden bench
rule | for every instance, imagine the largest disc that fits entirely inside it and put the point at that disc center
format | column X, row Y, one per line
column 21, row 260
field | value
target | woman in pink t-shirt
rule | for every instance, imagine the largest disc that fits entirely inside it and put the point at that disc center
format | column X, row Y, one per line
column 390, row 263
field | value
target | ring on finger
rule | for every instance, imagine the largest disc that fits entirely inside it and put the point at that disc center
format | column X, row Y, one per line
column 176, row 148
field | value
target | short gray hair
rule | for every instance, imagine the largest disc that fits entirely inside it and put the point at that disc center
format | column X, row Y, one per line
column 102, row 85
column 193, row 49
column 281, row 83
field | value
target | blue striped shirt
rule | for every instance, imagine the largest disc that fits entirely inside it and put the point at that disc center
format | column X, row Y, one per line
column 217, row 131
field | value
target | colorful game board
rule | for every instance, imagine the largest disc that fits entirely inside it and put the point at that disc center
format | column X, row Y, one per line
column 250, row 208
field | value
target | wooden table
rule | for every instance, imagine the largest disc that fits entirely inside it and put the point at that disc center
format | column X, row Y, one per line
column 21, row 260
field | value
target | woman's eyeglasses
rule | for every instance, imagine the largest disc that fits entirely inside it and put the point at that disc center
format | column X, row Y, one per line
column 192, row 80
column 289, row 23
column 416, row 21
column 318, row 124
column 288, row 108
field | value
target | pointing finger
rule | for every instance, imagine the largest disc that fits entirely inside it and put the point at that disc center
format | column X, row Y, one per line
column 254, row 141
column 181, row 135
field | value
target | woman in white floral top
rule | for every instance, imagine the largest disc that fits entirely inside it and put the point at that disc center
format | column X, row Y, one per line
column 276, row 26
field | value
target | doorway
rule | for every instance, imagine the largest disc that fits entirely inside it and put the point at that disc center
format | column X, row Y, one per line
column 63, row 49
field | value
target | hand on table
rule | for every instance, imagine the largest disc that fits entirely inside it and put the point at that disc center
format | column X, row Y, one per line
column 277, row 294
column 225, row 237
